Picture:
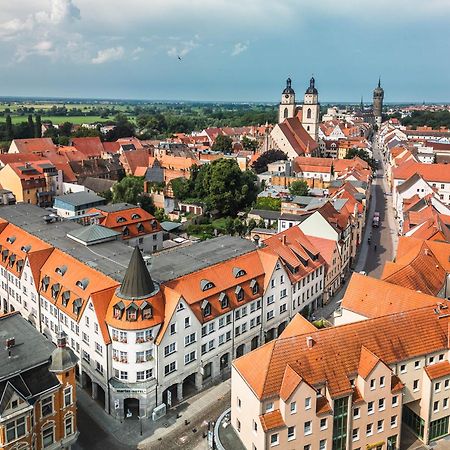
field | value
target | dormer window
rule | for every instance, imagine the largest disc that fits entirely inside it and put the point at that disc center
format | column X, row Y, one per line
column 83, row 284
column 11, row 239
column 135, row 216
column 206, row 284
column 65, row 298
column 12, row 259
column 132, row 311
column 125, row 231
column 118, row 310
column 45, row 282
column 154, row 224
column 223, row 299
column 254, row 286
column 238, row 272
column 239, row 293
column 146, row 311
column 77, row 304
column 26, row 248
column 206, row 306
column 61, row 270
column 140, row 227
column 19, row 265
column 121, row 219
column 5, row 254
column 55, row 290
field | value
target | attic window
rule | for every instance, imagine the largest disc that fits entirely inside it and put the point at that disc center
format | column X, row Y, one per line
column 135, row 216
column 45, row 282
column 20, row 265
column 146, row 311
column 55, row 290
column 118, row 310
column 121, row 219
column 254, row 286
column 223, row 299
column 132, row 311
column 82, row 283
column 206, row 306
column 11, row 239
column 140, row 227
column 61, row 270
column 238, row 272
column 65, row 298
column 154, row 224
column 239, row 293
column 206, row 284
column 12, row 259
column 77, row 304
column 125, row 231
column 5, row 254
column 25, row 248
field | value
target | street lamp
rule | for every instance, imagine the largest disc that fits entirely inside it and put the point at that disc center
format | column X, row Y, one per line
column 140, row 422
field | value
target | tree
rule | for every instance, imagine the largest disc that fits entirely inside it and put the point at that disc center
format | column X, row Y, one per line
column 131, row 190
column 251, row 224
column 260, row 165
column 223, row 144
column 362, row 154
column 180, row 187
column 9, row 128
column 65, row 129
column 268, row 203
column 299, row 187
column 239, row 227
column 37, row 126
column 229, row 225
column 249, row 144
column 30, row 126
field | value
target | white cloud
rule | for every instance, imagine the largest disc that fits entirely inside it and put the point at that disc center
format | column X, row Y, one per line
column 108, row 54
column 60, row 11
column 183, row 48
column 239, row 47
column 136, row 52
column 41, row 48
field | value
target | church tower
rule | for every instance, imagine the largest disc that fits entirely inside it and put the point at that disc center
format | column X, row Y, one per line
column 311, row 111
column 287, row 105
column 378, row 96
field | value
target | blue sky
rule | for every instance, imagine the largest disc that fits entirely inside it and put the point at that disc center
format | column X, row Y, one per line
column 231, row 50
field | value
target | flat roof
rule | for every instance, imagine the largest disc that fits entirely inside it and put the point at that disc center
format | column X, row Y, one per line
column 174, row 263
column 110, row 258
column 79, row 198
column 115, row 207
column 31, row 347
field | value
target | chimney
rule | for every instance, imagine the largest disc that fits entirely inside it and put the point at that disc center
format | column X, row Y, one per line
column 309, row 342
column 283, row 239
column 10, row 343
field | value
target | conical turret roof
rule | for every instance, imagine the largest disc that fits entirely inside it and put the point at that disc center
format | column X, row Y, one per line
column 137, row 283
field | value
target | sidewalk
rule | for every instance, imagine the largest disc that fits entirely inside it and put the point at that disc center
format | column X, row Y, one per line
column 128, row 432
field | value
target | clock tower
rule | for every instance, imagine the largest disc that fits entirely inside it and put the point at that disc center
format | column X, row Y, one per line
column 311, row 111
column 287, row 104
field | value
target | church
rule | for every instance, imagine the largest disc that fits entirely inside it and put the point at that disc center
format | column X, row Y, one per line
column 297, row 131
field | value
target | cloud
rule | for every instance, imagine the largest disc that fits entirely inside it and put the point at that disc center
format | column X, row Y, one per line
column 239, row 47
column 108, row 54
column 41, row 48
column 183, row 48
column 9, row 29
column 60, row 11
column 136, row 52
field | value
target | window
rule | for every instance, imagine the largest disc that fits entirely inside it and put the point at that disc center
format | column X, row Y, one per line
column 291, row 433
column 416, row 364
column 270, row 299
column 447, row 383
column 274, row 439
column 369, row 429
column 207, row 310
column 187, row 322
column 189, row 339
column 370, row 408
column 445, row 403
column 67, row 396
column 403, row 368
column 323, row 444
column 372, row 384
column 307, row 402
column 170, row 368
column 68, row 426
column 393, row 421
column 238, row 425
column 436, row 406
column 169, row 349
column 437, row 386
column 395, row 400
column 283, row 308
column 48, row 437
column 381, row 381
column 85, row 337
column 189, row 357
column 293, row 407
column 15, row 429
column 415, row 385
column 441, row 357
column 380, row 426
column 269, row 406
column 381, row 404
column 323, row 424
column 270, row 315
column 96, row 327
column 173, row 328
column 46, row 406
column 356, row 413
column 431, row 360
column 255, row 426
column 355, row 434
column 308, row 427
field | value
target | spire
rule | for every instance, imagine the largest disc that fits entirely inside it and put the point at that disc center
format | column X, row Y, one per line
column 379, row 81
column 288, row 83
column 137, row 282
column 362, row 103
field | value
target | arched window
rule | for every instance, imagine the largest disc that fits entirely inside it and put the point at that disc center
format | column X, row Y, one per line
column 308, row 113
column 307, row 128
column 286, row 113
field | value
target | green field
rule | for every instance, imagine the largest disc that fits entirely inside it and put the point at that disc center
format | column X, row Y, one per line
column 56, row 120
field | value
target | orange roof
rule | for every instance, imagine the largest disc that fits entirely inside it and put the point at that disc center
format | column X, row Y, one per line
column 34, row 145
column 367, row 362
column 326, row 247
column 430, row 172
column 298, row 325
column 7, row 158
column 335, row 354
column 371, row 297
column 89, row 146
column 323, row 406
column 291, row 379
column 438, row 370
column 272, row 420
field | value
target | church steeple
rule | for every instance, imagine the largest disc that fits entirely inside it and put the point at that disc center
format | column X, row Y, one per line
column 137, row 282
column 286, row 109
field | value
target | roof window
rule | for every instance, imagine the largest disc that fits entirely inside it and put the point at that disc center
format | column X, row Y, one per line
column 206, row 284
column 83, row 283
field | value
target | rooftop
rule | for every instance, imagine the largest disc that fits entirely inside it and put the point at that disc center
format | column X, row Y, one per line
column 79, row 198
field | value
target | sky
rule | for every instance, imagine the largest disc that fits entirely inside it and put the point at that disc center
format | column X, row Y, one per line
column 230, row 50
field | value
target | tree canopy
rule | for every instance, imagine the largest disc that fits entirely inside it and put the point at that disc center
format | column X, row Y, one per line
column 360, row 153
column 221, row 186
column 222, row 144
column 299, row 187
column 260, row 165
column 268, row 203
column 131, row 190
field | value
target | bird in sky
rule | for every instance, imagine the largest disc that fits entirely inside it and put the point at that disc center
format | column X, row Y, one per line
column 179, row 57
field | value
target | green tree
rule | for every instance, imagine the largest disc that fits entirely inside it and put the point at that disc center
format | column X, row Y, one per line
column 268, row 203
column 239, row 227
column 260, row 165
column 223, row 144
column 181, row 189
column 37, row 126
column 9, row 128
column 131, row 190
column 229, row 225
column 251, row 224
column 30, row 126
column 249, row 144
column 65, row 129
column 299, row 187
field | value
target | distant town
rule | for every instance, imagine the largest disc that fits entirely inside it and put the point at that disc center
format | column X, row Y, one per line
column 227, row 276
